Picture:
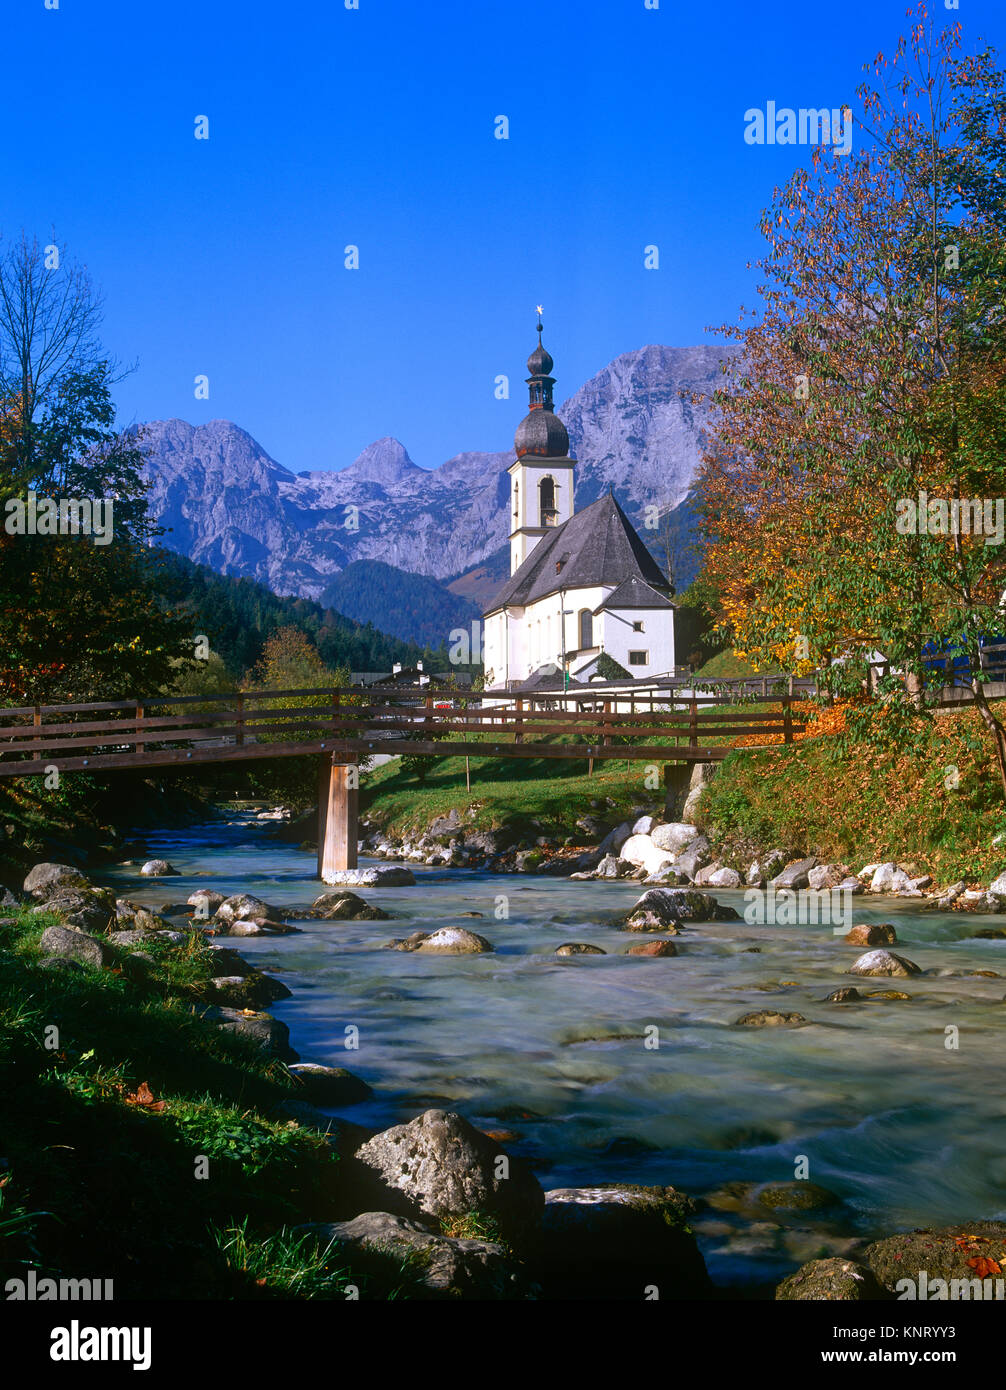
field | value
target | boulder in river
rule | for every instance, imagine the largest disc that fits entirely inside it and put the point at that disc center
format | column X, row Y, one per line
column 268, row 1033
column 617, row 1240
column 330, row 1085
column 158, row 868
column 453, row 941
column 251, row 991
column 652, row 948
column 871, row 934
column 246, row 907
column 379, row 876
column 578, row 948
column 833, row 1280
column 447, row 1268
column 205, row 901
column 439, row 1166
column 344, row 905
column 664, row 909
column 884, row 963
column 940, row 1256
column 796, row 1195
column 769, row 1018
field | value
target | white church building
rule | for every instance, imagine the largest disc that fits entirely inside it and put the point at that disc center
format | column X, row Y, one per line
column 581, row 583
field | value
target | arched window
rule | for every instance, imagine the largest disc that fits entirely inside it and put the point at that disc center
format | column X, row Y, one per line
column 586, row 628
column 546, row 502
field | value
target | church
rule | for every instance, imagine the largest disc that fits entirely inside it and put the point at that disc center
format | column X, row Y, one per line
column 585, row 597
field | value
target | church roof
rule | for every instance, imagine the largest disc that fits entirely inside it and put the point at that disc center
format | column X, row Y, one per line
column 634, row 593
column 597, row 546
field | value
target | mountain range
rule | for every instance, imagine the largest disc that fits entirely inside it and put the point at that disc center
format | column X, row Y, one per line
column 228, row 504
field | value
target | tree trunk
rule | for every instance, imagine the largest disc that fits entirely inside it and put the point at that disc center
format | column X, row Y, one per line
column 995, row 728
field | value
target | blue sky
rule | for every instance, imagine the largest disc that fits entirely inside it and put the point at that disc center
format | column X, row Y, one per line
column 375, row 127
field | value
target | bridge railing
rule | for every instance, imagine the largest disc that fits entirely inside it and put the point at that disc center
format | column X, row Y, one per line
column 349, row 724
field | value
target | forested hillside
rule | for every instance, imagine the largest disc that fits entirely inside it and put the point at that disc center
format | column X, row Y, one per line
column 409, row 606
column 239, row 615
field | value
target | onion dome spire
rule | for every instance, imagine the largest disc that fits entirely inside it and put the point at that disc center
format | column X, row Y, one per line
column 541, row 432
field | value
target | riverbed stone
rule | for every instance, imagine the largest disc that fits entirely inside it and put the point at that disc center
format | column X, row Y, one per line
column 205, row 901
column 76, row 945
column 256, row 926
column 44, row 880
column 90, row 909
column 884, row 963
column 330, row 1085
column 795, row 875
column 447, row 1268
column 454, row 941
column 831, row 1280
column 673, row 836
column 347, row 906
column 158, row 868
column 269, row 1034
column 246, row 907
column 617, row 1239
column 251, row 991
column 871, row 934
column 723, row 877
column 652, row 948
column 941, row 1252
column 615, row 839
column 578, row 948
column 796, row 1195
column 691, row 859
column 378, row 876
column 848, row 994
column 441, row 1166
column 642, row 853
column 768, row 1018
column 226, row 961
column 664, row 909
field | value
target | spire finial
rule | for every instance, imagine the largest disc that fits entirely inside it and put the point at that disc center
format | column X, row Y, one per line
column 540, row 325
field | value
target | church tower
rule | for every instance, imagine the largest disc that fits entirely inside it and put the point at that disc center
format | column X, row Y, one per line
column 541, row 476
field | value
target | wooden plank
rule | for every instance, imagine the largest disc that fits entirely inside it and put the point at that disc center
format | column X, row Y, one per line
column 351, row 750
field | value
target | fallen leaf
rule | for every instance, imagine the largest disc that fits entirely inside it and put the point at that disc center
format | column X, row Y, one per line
column 144, row 1097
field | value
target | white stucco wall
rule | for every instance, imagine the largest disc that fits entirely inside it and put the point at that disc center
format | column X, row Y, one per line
column 513, row 648
column 656, row 639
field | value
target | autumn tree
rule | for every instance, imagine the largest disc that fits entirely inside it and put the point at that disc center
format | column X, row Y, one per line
column 870, row 374
column 79, row 618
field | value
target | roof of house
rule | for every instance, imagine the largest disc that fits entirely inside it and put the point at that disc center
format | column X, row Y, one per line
column 598, row 546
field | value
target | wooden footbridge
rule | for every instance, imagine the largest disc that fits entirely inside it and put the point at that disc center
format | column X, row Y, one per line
column 342, row 727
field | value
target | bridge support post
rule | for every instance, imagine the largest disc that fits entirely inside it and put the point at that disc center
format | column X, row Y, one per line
column 337, row 816
column 677, row 782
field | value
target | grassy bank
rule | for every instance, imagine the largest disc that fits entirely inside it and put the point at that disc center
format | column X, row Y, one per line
column 141, row 1144
column 552, row 792
column 930, row 795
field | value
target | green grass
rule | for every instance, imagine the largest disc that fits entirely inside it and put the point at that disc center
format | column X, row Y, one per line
column 861, row 802
column 505, row 791
column 95, row 1182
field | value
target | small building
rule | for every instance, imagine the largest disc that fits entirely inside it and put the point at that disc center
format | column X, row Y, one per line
column 581, row 583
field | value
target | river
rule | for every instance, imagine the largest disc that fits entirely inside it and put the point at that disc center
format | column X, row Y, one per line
column 906, row 1130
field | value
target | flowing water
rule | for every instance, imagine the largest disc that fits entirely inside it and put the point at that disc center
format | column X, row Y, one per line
column 906, row 1129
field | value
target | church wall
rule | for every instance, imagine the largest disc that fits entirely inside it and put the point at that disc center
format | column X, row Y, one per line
column 656, row 639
